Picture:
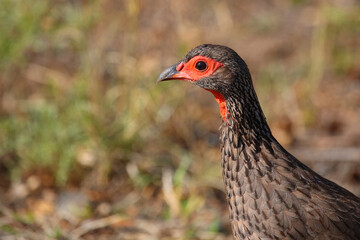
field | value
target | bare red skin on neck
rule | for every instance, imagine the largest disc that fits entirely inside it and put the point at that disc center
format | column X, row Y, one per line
column 221, row 101
column 188, row 72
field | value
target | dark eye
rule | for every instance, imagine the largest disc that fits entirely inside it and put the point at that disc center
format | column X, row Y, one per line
column 200, row 65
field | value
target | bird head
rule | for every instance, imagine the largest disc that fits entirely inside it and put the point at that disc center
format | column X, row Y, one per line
column 215, row 68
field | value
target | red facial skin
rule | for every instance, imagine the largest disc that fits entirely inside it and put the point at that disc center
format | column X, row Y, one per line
column 188, row 72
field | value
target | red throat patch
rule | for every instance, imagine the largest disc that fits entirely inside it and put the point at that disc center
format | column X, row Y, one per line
column 221, row 101
column 188, row 71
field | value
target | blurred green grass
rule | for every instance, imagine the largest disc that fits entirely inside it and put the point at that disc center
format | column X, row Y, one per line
column 79, row 100
column 54, row 120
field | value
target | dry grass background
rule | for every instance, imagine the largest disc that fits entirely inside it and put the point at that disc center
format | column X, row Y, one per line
column 91, row 148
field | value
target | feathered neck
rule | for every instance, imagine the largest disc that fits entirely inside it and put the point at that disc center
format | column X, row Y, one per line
column 245, row 116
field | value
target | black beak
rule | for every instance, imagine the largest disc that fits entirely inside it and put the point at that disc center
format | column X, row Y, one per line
column 168, row 74
column 171, row 73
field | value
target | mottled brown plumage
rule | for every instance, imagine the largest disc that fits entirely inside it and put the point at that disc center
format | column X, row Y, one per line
column 271, row 194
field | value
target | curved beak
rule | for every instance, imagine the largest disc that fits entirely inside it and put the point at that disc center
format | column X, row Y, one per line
column 172, row 74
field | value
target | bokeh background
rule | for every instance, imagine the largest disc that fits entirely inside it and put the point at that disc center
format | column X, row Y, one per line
column 92, row 148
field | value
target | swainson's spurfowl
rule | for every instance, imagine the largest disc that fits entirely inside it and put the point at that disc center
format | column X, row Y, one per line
column 270, row 194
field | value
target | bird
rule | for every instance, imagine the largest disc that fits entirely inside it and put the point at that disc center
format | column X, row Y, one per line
column 270, row 193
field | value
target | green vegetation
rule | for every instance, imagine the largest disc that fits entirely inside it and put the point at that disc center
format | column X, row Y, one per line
column 67, row 111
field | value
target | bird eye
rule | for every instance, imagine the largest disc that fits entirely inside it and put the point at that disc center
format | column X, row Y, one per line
column 200, row 65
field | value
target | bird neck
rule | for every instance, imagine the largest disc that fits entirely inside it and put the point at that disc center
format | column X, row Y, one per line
column 245, row 116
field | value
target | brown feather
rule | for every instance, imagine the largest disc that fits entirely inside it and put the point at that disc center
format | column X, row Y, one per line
column 270, row 194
